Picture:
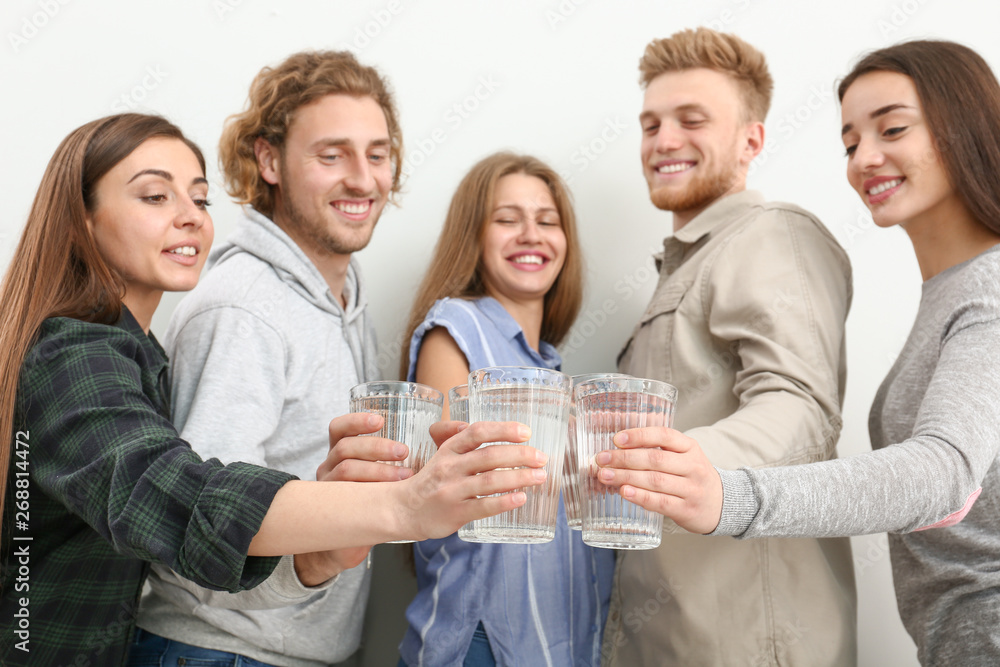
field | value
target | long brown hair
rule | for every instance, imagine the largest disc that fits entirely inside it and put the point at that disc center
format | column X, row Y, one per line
column 456, row 266
column 960, row 97
column 57, row 270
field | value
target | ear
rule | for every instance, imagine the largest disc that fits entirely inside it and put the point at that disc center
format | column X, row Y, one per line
column 267, row 160
column 753, row 142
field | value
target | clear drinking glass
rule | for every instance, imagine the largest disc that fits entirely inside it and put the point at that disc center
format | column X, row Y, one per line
column 539, row 398
column 458, row 403
column 571, row 469
column 605, row 406
column 409, row 409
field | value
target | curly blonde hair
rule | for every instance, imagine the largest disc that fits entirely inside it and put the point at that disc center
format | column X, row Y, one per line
column 717, row 51
column 275, row 95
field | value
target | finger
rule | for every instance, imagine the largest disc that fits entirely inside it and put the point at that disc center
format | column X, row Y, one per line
column 502, row 481
column 354, row 423
column 353, row 470
column 701, row 518
column 502, row 456
column 653, row 436
column 476, row 434
column 660, row 503
column 645, row 459
column 481, row 508
column 443, row 430
column 656, row 482
column 368, row 448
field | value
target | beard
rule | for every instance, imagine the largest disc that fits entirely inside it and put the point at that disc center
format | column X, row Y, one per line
column 702, row 191
column 316, row 230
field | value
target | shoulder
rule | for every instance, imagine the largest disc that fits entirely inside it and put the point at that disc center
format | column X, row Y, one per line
column 454, row 312
column 972, row 293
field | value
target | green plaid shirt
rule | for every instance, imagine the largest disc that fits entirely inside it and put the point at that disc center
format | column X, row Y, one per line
column 109, row 487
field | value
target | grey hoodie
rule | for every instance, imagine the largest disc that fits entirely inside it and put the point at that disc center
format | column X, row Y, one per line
column 262, row 358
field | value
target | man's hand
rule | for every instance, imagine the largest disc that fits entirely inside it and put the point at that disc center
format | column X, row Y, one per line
column 452, row 489
column 665, row 471
column 356, row 459
column 351, row 458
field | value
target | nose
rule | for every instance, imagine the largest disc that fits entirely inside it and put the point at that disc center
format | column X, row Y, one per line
column 190, row 214
column 530, row 232
column 867, row 156
column 668, row 138
column 360, row 178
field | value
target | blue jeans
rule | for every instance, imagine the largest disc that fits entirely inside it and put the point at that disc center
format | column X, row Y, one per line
column 149, row 650
column 480, row 654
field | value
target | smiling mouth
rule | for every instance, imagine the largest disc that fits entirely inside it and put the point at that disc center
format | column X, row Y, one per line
column 353, row 208
column 529, row 259
column 887, row 185
column 186, row 250
column 675, row 167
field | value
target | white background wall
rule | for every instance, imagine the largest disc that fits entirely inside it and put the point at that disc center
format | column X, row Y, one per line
column 556, row 78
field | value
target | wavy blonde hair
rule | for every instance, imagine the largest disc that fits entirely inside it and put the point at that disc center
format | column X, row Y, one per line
column 275, row 95
column 717, row 51
column 456, row 268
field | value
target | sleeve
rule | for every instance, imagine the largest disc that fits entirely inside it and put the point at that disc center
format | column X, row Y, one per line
column 458, row 317
column 105, row 452
column 930, row 479
column 778, row 294
column 228, row 392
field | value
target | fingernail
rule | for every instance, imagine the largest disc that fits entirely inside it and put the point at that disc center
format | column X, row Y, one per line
column 541, row 457
column 405, row 473
column 462, row 426
column 399, row 451
column 372, row 419
column 603, row 458
column 523, row 431
column 520, row 497
column 605, row 475
column 539, row 474
column 621, row 438
column 628, row 492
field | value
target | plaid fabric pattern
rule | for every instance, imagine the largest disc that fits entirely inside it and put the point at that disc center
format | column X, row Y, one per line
column 112, row 487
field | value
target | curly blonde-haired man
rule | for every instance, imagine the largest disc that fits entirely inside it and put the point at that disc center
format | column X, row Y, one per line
column 747, row 320
column 265, row 350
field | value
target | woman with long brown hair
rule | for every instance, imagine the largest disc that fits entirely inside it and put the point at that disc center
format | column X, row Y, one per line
column 503, row 288
column 921, row 128
column 96, row 482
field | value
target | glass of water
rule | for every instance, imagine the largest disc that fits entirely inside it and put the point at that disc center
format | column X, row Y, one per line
column 605, row 406
column 571, row 469
column 458, row 403
column 409, row 409
column 538, row 398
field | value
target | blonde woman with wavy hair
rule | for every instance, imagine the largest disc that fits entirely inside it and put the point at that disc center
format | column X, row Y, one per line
column 503, row 288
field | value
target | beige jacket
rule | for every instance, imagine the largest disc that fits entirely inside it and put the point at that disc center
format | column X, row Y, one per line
column 747, row 321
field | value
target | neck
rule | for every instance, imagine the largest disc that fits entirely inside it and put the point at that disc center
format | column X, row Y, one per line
column 528, row 314
column 332, row 266
column 942, row 242
column 682, row 218
column 142, row 305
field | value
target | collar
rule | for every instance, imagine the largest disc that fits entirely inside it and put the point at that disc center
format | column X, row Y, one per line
column 150, row 346
column 720, row 213
column 511, row 330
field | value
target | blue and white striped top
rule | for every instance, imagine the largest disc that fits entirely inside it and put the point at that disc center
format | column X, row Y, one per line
column 541, row 604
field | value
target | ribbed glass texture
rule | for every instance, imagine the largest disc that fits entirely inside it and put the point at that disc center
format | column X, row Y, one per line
column 539, row 398
column 603, row 408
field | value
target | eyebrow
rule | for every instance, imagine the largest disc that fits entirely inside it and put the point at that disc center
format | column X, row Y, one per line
column 337, row 142
column 518, row 207
column 881, row 111
column 165, row 175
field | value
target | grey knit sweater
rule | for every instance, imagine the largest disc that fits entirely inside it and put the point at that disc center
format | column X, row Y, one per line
column 932, row 480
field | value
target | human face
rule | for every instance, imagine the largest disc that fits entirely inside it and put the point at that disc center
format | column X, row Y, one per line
column 696, row 143
column 333, row 174
column 891, row 160
column 150, row 222
column 525, row 246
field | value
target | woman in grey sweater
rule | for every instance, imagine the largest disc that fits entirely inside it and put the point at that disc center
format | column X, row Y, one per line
column 921, row 125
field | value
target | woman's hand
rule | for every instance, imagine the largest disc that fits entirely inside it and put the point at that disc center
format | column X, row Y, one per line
column 446, row 494
column 665, row 471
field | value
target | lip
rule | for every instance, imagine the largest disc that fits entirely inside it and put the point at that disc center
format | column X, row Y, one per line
column 186, row 260
column 669, row 163
column 875, row 181
column 368, row 205
column 528, row 267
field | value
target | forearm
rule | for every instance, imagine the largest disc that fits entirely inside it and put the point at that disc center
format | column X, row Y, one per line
column 307, row 517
